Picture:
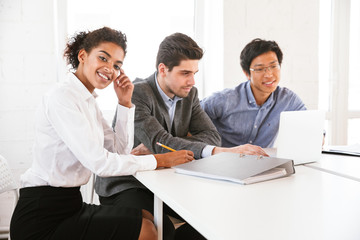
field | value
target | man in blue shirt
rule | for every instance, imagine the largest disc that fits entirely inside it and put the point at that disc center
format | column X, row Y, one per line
column 250, row 112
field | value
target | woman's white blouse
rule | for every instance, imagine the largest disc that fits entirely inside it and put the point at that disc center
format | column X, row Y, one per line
column 72, row 140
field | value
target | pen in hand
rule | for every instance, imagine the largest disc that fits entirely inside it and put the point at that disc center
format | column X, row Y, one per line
column 164, row 146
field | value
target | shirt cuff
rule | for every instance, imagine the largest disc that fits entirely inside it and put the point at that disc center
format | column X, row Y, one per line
column 124, row 116
column 146, row 162
column 122, row 111
column 206, row 152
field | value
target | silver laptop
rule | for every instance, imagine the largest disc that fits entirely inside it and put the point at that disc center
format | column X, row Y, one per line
column 300, row 136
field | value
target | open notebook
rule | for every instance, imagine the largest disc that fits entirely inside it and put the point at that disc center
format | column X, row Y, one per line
column 352, row 150
column 243, row 169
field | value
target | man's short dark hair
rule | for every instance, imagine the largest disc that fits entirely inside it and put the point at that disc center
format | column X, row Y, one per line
column 255, row 48
column 175, row 48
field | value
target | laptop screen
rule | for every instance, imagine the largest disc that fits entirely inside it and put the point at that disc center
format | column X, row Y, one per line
column 300, row 135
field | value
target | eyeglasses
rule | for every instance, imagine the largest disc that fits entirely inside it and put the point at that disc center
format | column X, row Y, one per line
column 262, row 70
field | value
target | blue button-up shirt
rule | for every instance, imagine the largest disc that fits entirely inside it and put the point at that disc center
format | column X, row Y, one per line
column 240, row 120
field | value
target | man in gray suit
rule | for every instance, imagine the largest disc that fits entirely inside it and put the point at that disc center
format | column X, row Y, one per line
column 168, row 111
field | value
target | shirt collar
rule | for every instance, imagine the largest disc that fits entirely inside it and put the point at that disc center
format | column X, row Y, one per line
column 83, row 91
column 163, row 95
column 250, row 96
column 251, row 99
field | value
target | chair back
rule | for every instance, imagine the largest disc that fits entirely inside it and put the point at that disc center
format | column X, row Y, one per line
column 7, row 181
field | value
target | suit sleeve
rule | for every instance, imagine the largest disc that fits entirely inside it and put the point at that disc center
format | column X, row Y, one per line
column 201, row 127
column 148, row 129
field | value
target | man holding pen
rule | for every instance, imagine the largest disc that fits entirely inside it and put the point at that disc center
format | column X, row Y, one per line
column 164, row 146
column 168, row 112
column 168, row 109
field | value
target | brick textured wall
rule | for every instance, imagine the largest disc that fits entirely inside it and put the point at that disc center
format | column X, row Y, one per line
column 27, row 70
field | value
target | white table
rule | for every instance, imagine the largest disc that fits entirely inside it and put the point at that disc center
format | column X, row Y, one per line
column 341, row 165
column 310, row 204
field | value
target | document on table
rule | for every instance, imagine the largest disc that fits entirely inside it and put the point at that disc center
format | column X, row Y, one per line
column 264, row 176
column 243, row 169
column 353, row 150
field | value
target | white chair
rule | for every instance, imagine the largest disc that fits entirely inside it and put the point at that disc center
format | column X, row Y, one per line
column 7, row 183
column 88, row 191
column 92, row 190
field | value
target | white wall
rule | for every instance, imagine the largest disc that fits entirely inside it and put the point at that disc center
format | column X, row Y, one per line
column 27, row 70
column 292, row 24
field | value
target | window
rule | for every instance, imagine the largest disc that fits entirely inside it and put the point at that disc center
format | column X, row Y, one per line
column 324, row 61
column 338, row 73
column 354, row 63
column 324, row 54
column 354, row 81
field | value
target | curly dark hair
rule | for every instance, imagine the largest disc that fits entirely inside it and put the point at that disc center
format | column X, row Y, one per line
column 89, row 40
column 175, row 48
column 255, row 48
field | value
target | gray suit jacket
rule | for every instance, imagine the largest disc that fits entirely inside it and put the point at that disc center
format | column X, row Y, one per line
column 152, row 124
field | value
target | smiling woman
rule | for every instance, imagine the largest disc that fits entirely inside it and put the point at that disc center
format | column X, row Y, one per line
column 73, row 141
column 70, row 140
column 97, row 64
column 104, row 61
